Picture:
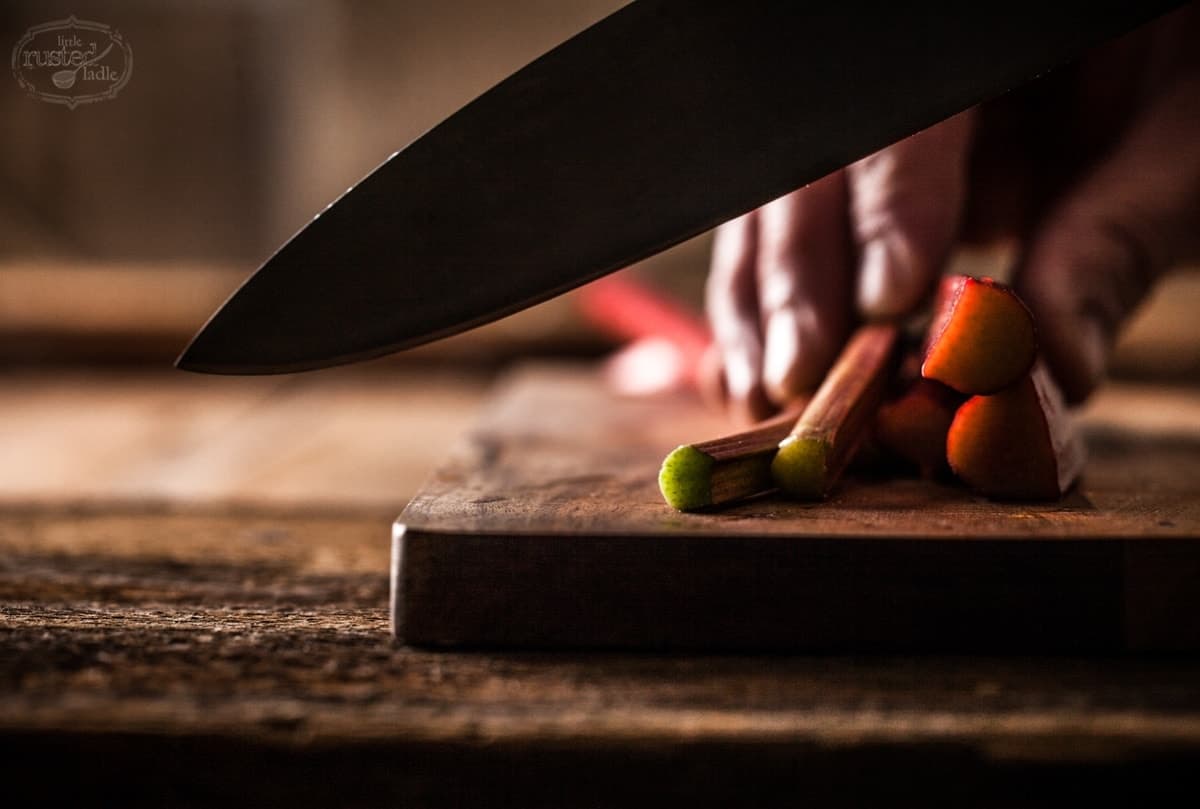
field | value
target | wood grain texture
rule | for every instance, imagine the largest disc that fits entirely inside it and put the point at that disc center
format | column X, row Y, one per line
column 358, row 439
column 155, row 658
column 187, row 659
column 546, row 529
column 197, row 652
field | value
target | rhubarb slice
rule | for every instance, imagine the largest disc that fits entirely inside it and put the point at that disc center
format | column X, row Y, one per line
column 1019, row 444
column 723, row 470
column 982, row 338
column 914, row 425
column 811, row 459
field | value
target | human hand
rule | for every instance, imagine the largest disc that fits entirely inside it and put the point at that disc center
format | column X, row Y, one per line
column 1094, row 173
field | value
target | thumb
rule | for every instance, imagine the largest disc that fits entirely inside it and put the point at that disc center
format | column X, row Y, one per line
column 907, row 203
column 1095, row 257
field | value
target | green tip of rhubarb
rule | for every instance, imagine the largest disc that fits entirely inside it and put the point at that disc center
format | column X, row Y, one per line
column 685, row 479
column 799, row 468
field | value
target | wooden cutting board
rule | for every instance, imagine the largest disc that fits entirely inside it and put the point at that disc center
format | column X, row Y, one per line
column 545, row 529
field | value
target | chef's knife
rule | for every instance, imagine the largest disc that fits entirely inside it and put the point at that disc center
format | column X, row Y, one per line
column 657, row 123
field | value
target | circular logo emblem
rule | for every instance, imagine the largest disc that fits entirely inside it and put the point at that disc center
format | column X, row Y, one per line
column 72, row 62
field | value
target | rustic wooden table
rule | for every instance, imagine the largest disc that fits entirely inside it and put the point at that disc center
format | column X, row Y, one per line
column 193, row 609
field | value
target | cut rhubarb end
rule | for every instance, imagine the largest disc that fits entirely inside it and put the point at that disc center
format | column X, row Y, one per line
column 982, row 339
column 800, row 468
column 684, row 479
column 1018, row 444
column 914, row 426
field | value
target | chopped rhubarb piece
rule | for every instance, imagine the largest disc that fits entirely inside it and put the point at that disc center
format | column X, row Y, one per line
column 982, row 338
column 914, row 425
column 1018, row 444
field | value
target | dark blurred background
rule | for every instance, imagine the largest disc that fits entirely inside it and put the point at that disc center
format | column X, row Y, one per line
column 243, row 118
column 124, row 223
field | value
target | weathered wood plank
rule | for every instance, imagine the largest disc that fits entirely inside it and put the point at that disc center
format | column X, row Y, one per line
column 208, row 651
column 214, row 624
column 186, row 658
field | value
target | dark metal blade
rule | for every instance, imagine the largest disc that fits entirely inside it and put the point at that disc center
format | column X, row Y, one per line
column 659, row 122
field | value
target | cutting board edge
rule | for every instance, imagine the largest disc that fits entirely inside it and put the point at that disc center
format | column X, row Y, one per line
column 1131, row 593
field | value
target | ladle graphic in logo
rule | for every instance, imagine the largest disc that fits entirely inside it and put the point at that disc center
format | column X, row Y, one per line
column 72, row 62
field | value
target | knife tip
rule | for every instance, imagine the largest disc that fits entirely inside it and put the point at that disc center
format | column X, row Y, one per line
column 225, row 346
column 212, row 352
column 187, row 362
column 195, row 362
column 196, row 358
column 192, row 360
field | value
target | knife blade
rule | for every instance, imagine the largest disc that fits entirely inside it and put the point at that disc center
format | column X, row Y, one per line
column 657, row 123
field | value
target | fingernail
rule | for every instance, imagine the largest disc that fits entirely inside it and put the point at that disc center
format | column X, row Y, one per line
column 876, row 280
column 781, row 354
column 742, row 380
column 740, row 375
column 890, row 278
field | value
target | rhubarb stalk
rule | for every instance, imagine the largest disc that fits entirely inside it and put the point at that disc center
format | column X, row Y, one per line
column 723, row 470
column 812, row 457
